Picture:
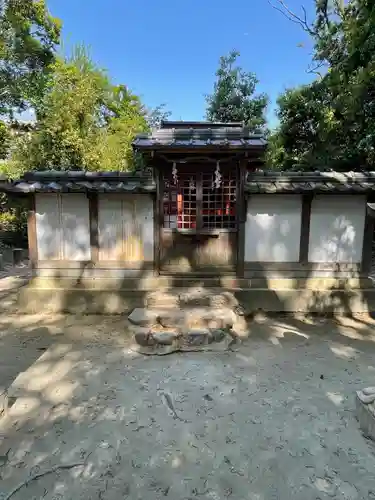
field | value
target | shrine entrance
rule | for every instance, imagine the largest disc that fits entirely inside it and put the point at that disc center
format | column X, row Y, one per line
column 199, row 218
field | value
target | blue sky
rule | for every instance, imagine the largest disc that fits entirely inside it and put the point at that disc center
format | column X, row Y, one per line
column 167, row 51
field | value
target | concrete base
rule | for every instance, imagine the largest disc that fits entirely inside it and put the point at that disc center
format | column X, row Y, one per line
column 315, row 297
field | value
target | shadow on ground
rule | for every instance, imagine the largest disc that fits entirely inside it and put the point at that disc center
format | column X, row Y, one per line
column 272, row 419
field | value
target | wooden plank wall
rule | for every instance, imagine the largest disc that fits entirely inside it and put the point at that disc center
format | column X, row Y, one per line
column 126, row 228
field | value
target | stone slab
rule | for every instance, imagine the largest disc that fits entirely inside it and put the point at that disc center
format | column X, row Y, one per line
column 197, row 317
column 165, row 338
column 141, row 316
column 366, row 416
column 196, row 338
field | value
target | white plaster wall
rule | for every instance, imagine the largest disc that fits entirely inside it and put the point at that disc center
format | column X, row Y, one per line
column 336, row 228
column 48, row 229
column 75, row 227
column 273, row 228
column 62, row 227
column 126, row 228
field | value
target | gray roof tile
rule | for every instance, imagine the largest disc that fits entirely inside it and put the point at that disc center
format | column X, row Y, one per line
column 235, row 137
column 310, row 182
column 77, row 182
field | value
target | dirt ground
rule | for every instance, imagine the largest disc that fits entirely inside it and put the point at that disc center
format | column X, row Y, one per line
column 272, row 420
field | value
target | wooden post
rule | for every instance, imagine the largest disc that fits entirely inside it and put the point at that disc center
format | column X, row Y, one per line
column 305, row 229
column 31, row 233
column 158, row 216
column 94, row 226
column 368, row 235
column 241, row 219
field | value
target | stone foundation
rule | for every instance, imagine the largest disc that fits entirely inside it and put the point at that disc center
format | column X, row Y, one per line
column 281, row 296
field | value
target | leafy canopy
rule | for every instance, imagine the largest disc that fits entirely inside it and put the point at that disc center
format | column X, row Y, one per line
column 233, row 98
column 84, row 121
column 331, row 122
column 28, row 38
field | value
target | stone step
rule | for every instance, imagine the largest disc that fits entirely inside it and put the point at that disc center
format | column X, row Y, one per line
column 154, row 342
column 203, row 317
column 193, row 297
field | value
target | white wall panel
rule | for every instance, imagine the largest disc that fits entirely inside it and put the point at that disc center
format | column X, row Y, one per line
column 336, row 228
column 62, row 227
column 48, row 230
column 75, row 224
column 110, row 227
column 273, row 228
column 144, row 207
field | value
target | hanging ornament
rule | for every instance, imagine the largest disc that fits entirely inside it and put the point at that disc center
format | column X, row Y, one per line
column 217, row 181
column 191, row 184
column 174, row 173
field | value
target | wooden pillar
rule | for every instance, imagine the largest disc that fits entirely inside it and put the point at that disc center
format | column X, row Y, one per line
column 368, row 235
column 94, row 237
column 241, row 219
column 305, row 229
column 31, row 233
column 158, row 216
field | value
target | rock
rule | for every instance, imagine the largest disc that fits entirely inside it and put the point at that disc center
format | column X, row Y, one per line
column 218, row 335
column 143, row 317
column 366, row 399
column 144, row 338
column 164, row 338
column 366, row 417
column 159, row 350
column 171, row 319
column 240, row 327
column 368, row 391
column 197, row 337
column 216, row 324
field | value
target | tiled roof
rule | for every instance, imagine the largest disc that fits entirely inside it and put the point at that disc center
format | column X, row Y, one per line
column 77, row 182
column 223, row 137
column 310, row 182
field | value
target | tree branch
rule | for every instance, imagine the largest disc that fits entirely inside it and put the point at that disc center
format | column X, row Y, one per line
column 314, row 69
column 291, row 16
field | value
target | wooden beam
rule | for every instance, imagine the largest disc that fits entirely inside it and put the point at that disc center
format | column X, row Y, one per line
column 368, row 236
column 31, row 232
column 305, row 229
column 94, row 226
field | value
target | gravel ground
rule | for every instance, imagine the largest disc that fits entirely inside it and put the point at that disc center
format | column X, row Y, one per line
column 273, row 420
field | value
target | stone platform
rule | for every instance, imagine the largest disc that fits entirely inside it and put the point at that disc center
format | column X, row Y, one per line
column 163, row 331
column 106, row 296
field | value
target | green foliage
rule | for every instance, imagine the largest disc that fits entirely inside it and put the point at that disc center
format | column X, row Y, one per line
column 28, row 37
column 331, row 122
column 84, row 121
column 233, row 98
column 4, row 140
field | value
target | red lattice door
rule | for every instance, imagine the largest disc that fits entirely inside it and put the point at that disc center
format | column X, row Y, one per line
column 199, row 224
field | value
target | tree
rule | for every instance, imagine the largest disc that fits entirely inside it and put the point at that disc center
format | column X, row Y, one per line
column 233, row 98
column 127, row 118
column 4, row 140
column 28, row 38
column 337, row 110
column 84, row 121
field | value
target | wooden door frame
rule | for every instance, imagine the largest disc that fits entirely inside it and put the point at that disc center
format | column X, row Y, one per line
column 238, row 268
